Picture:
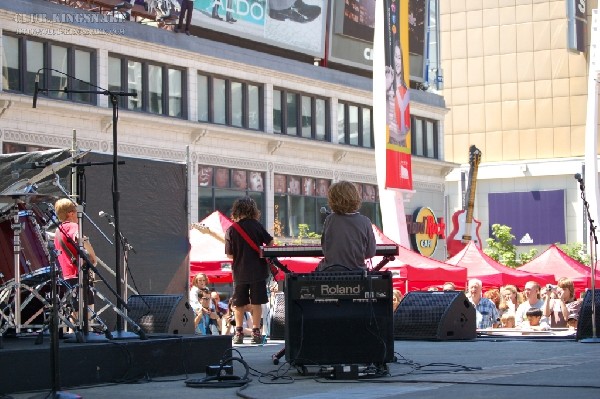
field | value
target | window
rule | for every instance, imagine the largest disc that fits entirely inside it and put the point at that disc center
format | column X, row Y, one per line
column 300, row 115
column 424, row 137
column 298, row 200
column 202, row 98
column 24, row 57
column 354, row 125
column 219, row 187
column 59, row 62
column 159, row 88
column 11, row 63
column 228, row 102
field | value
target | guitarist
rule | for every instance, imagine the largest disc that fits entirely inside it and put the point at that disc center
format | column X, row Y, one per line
column 249, row 270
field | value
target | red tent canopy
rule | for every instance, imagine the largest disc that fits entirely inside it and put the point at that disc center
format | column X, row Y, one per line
column 207, row 253
column 554, row 261
column 491, row 273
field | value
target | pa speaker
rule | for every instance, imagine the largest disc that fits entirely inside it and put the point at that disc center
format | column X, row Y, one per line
column 433, row 315
column 336, row 318
column 277, row 315
column 169, row 314
column 584, row 323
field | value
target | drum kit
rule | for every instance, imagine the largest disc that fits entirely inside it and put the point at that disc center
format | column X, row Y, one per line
column 27, row 259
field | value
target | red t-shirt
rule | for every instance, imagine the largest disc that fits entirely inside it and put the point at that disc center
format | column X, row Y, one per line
column 69, row 266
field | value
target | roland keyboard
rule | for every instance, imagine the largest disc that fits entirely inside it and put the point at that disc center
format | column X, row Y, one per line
column 316, row 250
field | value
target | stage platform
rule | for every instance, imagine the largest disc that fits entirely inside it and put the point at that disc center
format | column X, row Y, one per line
column 25, row 366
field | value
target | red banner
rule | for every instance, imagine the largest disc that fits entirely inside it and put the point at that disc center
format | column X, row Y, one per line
column 398, row 138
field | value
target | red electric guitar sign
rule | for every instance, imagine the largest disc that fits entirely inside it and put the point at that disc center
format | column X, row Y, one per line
column 465, row 228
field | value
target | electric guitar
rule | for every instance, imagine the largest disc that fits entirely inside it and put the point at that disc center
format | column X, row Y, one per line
column 465, row 227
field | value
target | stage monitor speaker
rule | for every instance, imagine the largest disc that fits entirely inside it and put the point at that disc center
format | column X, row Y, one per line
column 584, row 323
column 168, row 314
column 277, row 330
column 336, row 318
column 433, row 315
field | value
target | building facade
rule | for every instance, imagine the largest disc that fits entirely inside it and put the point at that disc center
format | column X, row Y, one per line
column 517, row 90
column 246, row 122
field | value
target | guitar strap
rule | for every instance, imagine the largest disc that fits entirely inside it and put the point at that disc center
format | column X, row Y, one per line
column 245, row 236
column 272, row 262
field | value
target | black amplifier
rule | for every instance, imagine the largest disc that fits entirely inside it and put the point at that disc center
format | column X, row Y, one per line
column 323, row 286
column 339, row 318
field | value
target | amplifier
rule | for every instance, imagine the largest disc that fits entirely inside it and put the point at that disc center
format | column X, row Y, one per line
column 339, row 318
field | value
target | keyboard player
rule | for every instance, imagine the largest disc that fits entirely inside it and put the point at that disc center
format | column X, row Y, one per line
column 348, row 239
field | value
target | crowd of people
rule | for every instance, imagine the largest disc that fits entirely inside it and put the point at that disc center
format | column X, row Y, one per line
column 535, row 308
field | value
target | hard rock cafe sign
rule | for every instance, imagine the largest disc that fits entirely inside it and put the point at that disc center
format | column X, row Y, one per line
column 425, row 230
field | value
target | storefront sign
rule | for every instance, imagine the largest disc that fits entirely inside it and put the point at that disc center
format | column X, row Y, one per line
column 425, row 230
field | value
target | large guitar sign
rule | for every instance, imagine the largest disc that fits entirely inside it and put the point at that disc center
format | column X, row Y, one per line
column 465, row 227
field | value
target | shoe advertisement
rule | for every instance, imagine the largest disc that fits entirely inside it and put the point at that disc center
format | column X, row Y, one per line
column 297, row 25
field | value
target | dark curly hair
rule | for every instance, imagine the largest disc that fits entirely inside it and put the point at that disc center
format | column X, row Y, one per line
column 343, row 197
column 244, row 208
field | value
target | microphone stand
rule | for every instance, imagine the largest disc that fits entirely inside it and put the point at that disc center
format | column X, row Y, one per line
column 126, row 248
column 593, row 243
column 113, row 97
column 54, row 341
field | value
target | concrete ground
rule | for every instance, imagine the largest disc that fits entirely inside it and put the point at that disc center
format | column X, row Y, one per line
column 484, row 368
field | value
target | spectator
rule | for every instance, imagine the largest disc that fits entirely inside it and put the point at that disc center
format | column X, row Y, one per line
column 487, row 314
column 449, row 286
column 534, row 320
column 396, row 298
column 510, row 299
column 493, row 295
column 206, row 316
column 560, row 308
column 507, row 320
column 531, row 300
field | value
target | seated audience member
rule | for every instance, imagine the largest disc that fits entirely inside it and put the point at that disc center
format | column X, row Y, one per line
column 396, row 298
column 204, row 319
column 559, row 307
column 493, row 295
column 487, row 314
column 534, row 320
column 507, row 320
column 531, row 300
column 449, row 286
column 510, row 299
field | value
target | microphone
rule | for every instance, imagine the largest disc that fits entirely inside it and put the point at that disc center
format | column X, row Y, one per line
column 325, row 211
column 578, row 177
column 36, row 88
column 103, row 214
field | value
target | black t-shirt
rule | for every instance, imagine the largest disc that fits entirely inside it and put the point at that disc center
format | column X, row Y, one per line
column 248, row 266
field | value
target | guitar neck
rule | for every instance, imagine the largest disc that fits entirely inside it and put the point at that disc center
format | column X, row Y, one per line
column 475, row 154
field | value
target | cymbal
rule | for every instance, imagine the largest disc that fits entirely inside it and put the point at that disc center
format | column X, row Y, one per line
column 26, row 197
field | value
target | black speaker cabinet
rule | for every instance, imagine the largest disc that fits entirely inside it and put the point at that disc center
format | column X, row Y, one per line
column 169, row 314
column 584, row 323
column 277, row 330
column 334, row 318
column 435, row 315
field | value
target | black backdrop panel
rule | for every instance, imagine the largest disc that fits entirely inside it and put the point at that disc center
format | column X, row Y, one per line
column 153, row 218
column 584, row 323
column 445, row 315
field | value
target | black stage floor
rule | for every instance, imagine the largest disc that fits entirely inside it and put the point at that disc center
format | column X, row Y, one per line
column 25, row 366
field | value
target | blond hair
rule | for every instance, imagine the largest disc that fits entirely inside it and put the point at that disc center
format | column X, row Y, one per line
column 62, row 207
